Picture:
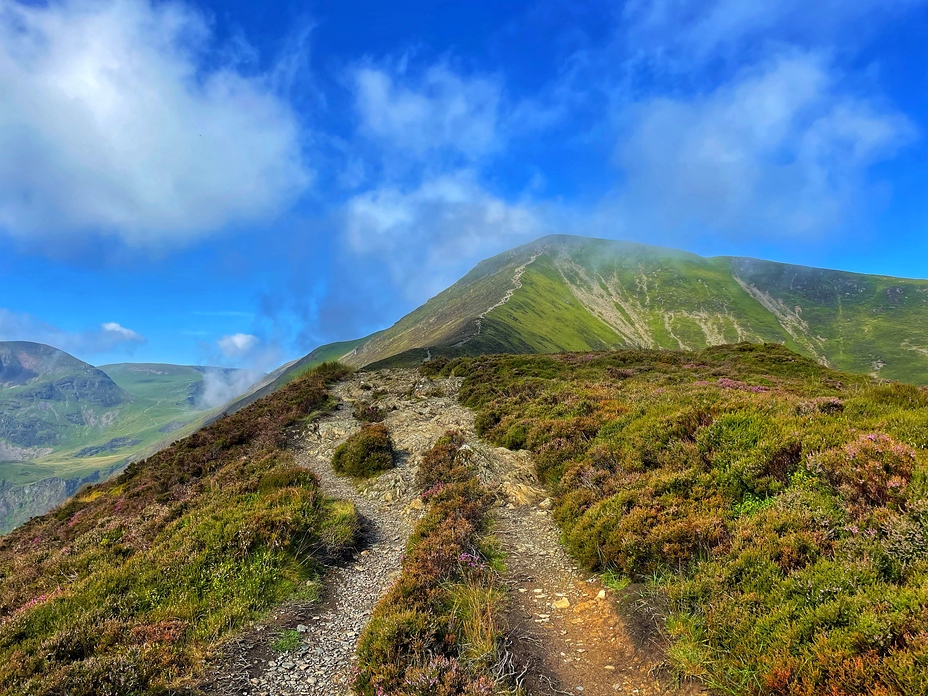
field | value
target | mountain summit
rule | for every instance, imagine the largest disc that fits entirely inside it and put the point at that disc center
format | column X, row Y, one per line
column 564, row 293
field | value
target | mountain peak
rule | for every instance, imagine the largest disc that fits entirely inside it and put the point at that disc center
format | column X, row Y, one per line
column 569, row 293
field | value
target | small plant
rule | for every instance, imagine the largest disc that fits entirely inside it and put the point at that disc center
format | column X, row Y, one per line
column 367, row 412
column 366, row 453
column 287, row 641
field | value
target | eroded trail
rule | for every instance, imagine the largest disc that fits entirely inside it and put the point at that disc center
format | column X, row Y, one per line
column 567, row 636
column 418, row 412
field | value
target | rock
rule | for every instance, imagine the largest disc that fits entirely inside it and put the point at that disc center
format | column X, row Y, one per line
column 302, row 628
column 601, row 596
column 562, row 603
column 546, row 504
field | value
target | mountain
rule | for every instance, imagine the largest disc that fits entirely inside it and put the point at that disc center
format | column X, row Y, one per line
column 290, row 371
column 64, row 423
column 564, row 293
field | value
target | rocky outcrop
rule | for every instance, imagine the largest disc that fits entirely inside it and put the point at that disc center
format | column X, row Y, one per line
column 18, row 504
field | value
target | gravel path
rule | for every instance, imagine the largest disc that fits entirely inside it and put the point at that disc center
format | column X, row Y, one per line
column 418, row 412
column 567, row 634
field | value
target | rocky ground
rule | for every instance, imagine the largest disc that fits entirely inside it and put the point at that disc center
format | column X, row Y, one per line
column 567, row 634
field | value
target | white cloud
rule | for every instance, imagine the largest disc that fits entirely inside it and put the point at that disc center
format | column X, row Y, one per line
column 429, row 235
column 121, row 332
column 438, row 111
column 237, row 345
column 779, row 150
column 693, row 30
column 221, row 386
column 112, row 121
column 17, row 326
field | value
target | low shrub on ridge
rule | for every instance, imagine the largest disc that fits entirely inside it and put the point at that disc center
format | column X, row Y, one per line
column 435, row 633
column 779, row 509
column 365, row 453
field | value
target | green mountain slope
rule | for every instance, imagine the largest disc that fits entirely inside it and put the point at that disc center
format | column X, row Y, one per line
column 64, row 423
column 564, row 293
column 285, row 374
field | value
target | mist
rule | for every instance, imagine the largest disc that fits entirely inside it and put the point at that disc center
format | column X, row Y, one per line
column 222, row 385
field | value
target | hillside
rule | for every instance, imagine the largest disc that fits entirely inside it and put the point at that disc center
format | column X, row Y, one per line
column 770, row 514
column 125, row 588
column 64, row 423
column 564, row 293
column 740, row 520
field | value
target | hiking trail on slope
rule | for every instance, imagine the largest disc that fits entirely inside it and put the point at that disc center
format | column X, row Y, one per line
column 566, row 633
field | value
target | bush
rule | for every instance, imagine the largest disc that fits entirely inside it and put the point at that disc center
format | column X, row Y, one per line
column 367, row 412
column 435, row 631
column 366, row 453
column 776, row 507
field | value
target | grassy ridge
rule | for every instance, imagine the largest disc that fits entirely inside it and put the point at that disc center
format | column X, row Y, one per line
column 578, row 294
column 777, row 510
column 435, row 632
column 126, row 588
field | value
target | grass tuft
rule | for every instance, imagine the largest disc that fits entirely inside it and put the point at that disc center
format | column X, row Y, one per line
column 366, row 453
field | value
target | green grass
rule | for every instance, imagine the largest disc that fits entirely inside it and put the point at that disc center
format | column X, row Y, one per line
column 776, row 510
column 583, row 294
column 366, row 453
column 437, row 631
column 288, row 641
column 159, row 412
column 130, row 585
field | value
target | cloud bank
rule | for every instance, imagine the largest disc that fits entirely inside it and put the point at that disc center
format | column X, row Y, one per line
column 237, row 345
column 779, row 150
column 114, row 122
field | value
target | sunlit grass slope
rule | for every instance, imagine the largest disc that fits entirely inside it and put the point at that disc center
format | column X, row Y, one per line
column 564, row 293
column 128, row 586
column 776, row 510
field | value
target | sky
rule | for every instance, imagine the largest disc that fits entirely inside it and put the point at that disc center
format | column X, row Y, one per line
column 236, row 183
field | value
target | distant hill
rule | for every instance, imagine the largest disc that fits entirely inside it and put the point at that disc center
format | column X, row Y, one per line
column 564, row 293
column 64, row 423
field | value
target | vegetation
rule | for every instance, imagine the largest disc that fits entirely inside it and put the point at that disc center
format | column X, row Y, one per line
column 435, row 633
column 366, row 453
column 580, row 294
column 62, row 418
column 776, row 510
column 126, row 588
column 367, row 412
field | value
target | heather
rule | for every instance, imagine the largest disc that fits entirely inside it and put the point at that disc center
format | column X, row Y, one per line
column 774, row 511
column 127, row 588
column 365, row 453
column 436, row 631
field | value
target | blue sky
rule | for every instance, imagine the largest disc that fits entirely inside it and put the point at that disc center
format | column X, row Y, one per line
column 239, row 182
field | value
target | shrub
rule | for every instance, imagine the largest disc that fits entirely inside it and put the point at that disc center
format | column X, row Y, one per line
column 435, row 631
column 367, row 412
column 366, row 453
column 776, row 508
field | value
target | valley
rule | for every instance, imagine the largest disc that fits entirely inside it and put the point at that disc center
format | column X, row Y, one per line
column 64, row 423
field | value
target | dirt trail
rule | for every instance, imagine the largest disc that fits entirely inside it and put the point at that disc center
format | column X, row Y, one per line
column 567, row 634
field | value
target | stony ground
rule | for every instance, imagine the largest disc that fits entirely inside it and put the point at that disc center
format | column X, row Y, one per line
column 567, row 635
